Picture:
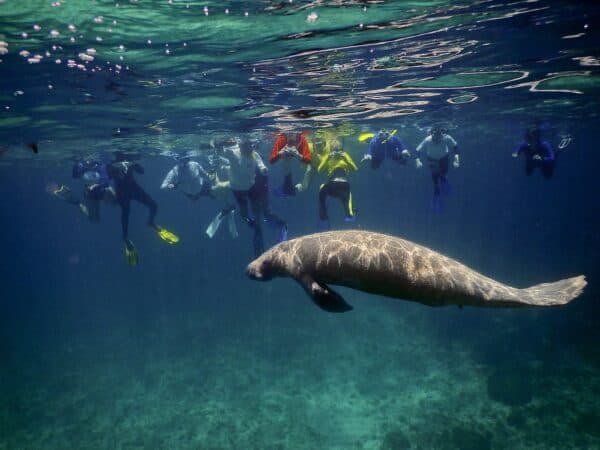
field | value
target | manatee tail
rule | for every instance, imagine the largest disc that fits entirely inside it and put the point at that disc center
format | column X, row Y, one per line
column 557, row 293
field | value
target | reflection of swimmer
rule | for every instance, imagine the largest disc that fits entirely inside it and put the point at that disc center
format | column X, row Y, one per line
column 437, row 147
column 286, row 148
column 385, row 144
column 190, row 178
column 338, row 164
column 537, row 153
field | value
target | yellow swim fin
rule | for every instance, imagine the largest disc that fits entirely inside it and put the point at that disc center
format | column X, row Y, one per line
column 364, row 137
column 167, row 236
column 131, row 253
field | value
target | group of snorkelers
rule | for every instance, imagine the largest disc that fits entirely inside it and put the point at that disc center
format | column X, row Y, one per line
column 245, row 175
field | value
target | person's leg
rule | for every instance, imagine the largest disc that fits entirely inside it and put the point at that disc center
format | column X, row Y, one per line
column 376, row 162
column 124, row 203
column 323, row 193
column 548, row 170
column 529, row 166
column 241, row 198
column 138, row 194
column 341, row 191
column 288, row 187
column 435, row 177
column 256, row 204
column 444, row 163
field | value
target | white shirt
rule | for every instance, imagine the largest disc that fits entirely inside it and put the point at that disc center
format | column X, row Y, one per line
column 188, row 178
column 242, row 168
column 437, row 150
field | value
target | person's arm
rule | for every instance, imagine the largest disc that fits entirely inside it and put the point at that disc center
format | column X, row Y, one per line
column 520, row 149
column 418, row 162
column 349, row 160
column 170, row 180
column 203, row 173
column 454, row 149
column 324, row 159
column 276, row 151
column 370, row 150
column 307, row 180
column 259, row 164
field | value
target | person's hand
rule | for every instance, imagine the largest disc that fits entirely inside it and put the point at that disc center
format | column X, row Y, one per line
column 170, row 186
column 456, row 162
column 418, row 163
column 299, row 187
column 291, row 151
column 515, row 154
column 366, row 157
column 405, row 153
column 537, row 157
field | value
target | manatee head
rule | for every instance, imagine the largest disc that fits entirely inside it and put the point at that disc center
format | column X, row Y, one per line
column 262, row 268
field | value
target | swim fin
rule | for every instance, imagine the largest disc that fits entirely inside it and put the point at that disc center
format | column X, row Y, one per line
column 364, row 137
column 231, row 224
column 213, row 227
column 167, row 236
column 131, row 253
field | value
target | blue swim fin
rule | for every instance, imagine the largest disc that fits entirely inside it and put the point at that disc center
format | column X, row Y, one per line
column 445, row 188
column 436, row 203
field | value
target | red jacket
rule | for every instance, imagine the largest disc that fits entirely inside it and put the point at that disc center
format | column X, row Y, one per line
column 281, row 142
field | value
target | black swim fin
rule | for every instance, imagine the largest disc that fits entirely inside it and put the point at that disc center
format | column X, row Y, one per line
column 323, row 296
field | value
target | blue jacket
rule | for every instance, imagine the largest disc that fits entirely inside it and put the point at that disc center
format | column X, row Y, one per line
column 382, row 146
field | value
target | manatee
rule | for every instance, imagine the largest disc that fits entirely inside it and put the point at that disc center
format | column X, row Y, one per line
column 393, row 267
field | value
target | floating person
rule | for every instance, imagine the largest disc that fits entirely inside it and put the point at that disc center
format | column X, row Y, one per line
column 289, row 147
column 96, row 190
column 438, row 147
column 384, row 144
column 337, row 164
column 538, row 153
column 190, row 178
column 126, row 187
column 248, row 178
column 393, row 267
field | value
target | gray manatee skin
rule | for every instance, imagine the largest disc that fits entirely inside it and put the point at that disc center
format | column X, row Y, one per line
column 393, row 267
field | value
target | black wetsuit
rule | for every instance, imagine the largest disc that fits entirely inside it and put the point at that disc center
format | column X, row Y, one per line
column 258, row 195
column 127, row 189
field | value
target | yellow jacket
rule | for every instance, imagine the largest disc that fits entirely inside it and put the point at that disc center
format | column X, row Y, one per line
column 332, row 162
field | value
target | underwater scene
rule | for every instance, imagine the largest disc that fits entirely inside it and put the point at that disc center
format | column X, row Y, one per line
column 296, row 224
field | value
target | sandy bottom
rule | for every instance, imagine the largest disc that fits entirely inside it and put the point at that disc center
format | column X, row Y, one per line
column 385, row 376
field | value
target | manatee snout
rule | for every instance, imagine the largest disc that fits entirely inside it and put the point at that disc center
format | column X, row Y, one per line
column 259, row 270
column 253, row 272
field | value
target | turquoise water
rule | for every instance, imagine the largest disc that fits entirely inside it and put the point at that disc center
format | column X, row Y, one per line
column 183, row 350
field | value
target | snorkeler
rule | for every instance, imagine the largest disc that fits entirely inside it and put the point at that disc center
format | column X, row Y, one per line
column 438, row 146
column 289, row 146
column 248, row 177
column 338, row 164
column 190, row 178
column 385, row 144
column 127, row 189
column 97, row 189
column 537, row 153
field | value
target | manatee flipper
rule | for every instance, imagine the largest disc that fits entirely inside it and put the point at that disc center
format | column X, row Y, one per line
column 323, row 296
column 557, row 293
